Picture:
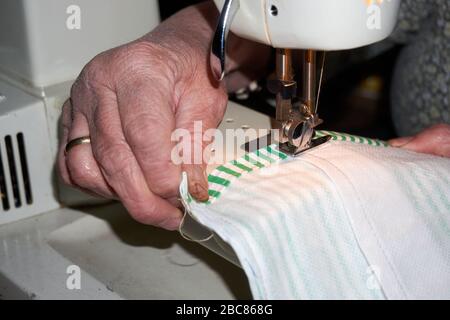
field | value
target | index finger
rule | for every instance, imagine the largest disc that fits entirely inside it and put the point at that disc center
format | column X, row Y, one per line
column 146, row 112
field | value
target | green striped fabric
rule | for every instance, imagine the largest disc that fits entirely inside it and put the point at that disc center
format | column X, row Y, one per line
column 351, row 138
column 222, row 176
column 351, row 220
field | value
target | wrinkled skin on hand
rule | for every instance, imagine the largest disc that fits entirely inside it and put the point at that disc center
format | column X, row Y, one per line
column 129, row 100
column 434, row 140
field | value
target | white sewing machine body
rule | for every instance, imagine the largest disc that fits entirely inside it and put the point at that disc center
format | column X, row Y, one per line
column 319, row 24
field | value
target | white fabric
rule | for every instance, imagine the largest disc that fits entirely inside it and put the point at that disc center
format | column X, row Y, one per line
column 344, row 221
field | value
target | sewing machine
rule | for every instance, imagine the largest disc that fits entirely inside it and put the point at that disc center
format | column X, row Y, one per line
column 40, row 236
column 313, row 26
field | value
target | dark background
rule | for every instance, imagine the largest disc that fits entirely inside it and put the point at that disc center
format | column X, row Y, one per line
column 169, row 7
column 355, row 94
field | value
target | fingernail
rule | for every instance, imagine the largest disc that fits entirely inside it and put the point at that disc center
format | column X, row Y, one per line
column 400, row 142
column 198, row 184
column 199, row 192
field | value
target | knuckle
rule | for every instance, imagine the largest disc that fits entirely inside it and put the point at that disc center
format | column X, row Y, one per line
column 145, row 60
column 93, row 76
column 81, row 83
column 134, row 55
column 104, row 123
column 135, row 130
column 114, row 159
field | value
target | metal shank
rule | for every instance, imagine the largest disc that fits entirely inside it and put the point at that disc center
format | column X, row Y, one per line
column 298, row 116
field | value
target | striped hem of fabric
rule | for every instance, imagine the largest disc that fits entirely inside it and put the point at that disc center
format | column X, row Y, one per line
column 222, row 177
column 335, row 136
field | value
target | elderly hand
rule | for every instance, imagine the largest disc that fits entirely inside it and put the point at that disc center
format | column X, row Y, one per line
column 434, row 140
column 129, row 100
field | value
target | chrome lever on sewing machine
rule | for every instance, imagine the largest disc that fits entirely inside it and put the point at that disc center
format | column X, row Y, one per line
column 219, row 45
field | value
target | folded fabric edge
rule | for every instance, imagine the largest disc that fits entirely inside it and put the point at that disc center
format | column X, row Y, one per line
column 224, row 175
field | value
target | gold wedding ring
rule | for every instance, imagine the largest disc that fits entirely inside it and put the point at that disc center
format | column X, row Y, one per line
column 77, row 142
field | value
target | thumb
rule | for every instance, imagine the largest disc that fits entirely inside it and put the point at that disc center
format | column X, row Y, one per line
column 434, row 140
column 199, row 122
column 400, row 142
